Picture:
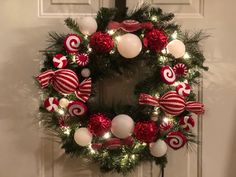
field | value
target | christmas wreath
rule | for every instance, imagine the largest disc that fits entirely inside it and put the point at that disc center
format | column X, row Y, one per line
column 120, row 136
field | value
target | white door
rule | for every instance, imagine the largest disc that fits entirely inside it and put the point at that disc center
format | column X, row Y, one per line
column 25, row 152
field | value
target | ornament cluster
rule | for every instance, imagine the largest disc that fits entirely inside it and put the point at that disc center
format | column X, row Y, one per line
column 70, row 84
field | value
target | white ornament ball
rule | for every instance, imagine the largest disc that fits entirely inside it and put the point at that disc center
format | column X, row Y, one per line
column 158, row 149
column 122, row 126
column 85, row 72
column 87, row 25
column 129, row 45
column 64, row 102
column 176, row 48
column 83, row 137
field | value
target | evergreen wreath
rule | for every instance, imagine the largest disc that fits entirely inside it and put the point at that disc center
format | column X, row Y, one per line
column 119, row 137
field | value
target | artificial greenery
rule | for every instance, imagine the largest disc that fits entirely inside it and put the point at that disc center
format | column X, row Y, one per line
column 111, row 65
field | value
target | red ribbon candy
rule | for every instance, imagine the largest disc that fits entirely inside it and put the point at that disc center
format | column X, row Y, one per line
column 65, row 81
column 172, row 103
column 129, row 25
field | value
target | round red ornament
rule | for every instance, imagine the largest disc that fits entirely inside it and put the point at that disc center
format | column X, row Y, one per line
column 146, row 131
column 176, row 140
column 187, row 122
column 101, row 42
column 77, row 108
column 155, row 40
column 51, row 104
column 99, row 124
column 183, row 89
column 180, row 69
column 168, row 75
column 59, row 61
column 72, row 43
column 82, row 59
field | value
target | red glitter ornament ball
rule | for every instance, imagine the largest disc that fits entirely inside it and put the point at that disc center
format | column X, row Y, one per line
column 155, row 40
column 146, row 131
column 101, row 42
column 99, row 124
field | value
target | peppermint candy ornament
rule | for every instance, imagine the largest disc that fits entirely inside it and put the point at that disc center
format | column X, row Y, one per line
column 166, row 125
column 176, row 140
column 77, row 108
column 187, row 122
column 59, row 61
column 168, row 75
column 180, row 69
column 72, row 43
column 82, row 59
column 51, row 104
column 183, row 89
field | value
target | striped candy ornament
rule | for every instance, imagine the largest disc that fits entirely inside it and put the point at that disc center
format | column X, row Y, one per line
column 51, row 104
column 171, row 103
column 59, row 61
column 77, row 108
column 168, row 75
column 180, row 69
column 166, row 125
column 65, row 81
column 183, row 89
column 187, row 122
column 176, row 140
column 72, row 43
column 82, row 59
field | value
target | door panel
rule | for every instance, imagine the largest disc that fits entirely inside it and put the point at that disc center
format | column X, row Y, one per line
column 26, row 151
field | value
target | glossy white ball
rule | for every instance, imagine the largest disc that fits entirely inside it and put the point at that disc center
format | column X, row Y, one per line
column 122, row 126
column 87, row 25
column 64, row 102
column 158, row 149
column 85, row 72
column 83, row 137
column 129, row 45
column 176, row 48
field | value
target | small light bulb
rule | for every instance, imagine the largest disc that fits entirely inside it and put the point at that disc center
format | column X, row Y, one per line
column 166, row 120
column 164, row 51
column 154, row 18
column 61, row 111
column 117, row 38
column 111, row 32
column 107, row 135
column 89, row 49
column 112, row 51
column 174, row 35
column 92, row 151
column 176, row 83
column 133, row 156
column 66, row 131
column 186, row 56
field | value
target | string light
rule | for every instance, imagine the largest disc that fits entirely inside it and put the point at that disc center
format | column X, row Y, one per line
column 117, row 38
column 92, row 151
column 89, row 49
column 166, row 120
column 164, row 51
column 111, row 32
column 154, row 18
column 61, row 111
column 66, row 130
column 133, row 156
column 176, row 83
column 86, row 37
column 107, row 135
column 174, row 35
column 112, row 52
column 186, row 56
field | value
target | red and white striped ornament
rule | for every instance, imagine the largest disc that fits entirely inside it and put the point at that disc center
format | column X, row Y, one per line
column 183, row 89
column 172, row 103
column 168, row 75
column 59, row 61
column 65, row 81
column 77, row 108
column 166, row 125
column 180, row 69
column 62, row 121
column 72, row 43
column 187, row 122
column 51, row 104
column 176, row 140
column 82, row 59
